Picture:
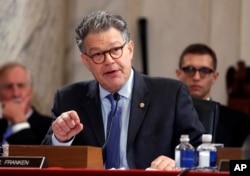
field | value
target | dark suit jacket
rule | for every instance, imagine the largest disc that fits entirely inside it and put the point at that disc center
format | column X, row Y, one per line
column 233, row 127
column 39, row 125
column 153, row 130
column 228, row 126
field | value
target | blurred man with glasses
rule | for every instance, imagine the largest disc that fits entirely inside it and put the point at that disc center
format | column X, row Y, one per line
column 197, row 68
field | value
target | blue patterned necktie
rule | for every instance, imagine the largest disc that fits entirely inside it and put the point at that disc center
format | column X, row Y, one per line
column 113, row 134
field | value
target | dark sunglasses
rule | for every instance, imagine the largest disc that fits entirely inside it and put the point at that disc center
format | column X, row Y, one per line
column 203, row 71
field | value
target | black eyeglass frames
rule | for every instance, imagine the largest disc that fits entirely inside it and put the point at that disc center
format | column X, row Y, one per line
column 100, row 57
column 203, row 71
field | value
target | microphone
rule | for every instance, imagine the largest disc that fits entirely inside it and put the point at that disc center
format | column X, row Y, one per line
column 116, row 96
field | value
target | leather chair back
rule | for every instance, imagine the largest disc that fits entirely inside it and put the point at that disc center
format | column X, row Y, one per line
column 208, row 112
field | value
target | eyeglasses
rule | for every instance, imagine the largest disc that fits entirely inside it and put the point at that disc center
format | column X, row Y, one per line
column 100, row 57
column 11, row 86
column 203, row 71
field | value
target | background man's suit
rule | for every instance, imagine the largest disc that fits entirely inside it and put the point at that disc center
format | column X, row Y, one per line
column 39, row 125
column 228, row 126
column 233, row 127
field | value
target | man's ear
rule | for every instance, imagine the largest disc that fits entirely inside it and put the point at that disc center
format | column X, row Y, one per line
column 215, row 75
column 84, row 60
column 131, row 48
column 178, row 73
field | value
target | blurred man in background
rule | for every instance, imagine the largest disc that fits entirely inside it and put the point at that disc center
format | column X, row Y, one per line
column 20, row 122
column 197, row 68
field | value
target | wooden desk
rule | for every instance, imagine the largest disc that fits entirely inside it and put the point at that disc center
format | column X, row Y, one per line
column 73, row 155
column 229, row 153
column 62, row 156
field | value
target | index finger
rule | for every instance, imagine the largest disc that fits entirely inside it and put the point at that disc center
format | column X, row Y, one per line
column 74, row 116
column 67, row 121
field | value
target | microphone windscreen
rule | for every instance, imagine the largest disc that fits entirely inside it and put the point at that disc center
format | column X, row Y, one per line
column 116, row 97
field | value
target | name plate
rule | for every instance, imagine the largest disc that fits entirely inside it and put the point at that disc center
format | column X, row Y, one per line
column 23, row 162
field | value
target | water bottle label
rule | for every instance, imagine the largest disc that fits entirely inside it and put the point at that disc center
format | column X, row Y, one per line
column 187, row 159
column 177, row 158
column 213, row 158
column 207, row 158
column 204, row 159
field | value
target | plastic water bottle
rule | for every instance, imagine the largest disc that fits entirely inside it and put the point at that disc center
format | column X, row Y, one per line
column 207, row 153
column 184, row 153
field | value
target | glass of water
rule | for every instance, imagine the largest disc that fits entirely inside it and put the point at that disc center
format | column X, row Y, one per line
column 4, row 150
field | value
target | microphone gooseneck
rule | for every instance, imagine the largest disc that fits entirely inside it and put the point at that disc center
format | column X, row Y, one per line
column 112, row 147
column 116, row 98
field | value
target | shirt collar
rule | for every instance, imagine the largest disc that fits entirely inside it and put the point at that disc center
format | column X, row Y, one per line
column 209, row 98
column 125, row 91
column 29, row 113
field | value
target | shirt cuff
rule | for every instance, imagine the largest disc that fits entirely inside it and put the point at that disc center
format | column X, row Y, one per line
column 20, row 126
column 56, row 142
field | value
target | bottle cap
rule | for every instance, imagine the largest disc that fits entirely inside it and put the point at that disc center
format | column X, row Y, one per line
column 184, row 138
column 206, row 138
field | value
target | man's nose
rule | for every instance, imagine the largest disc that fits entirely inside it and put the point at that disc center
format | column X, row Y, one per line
column 15, row 90
column 197, row 75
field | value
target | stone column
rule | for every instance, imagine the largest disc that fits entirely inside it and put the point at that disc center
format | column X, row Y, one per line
column 33, row 33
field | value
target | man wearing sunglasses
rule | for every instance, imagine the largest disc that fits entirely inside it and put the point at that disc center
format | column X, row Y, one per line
column 197, row 68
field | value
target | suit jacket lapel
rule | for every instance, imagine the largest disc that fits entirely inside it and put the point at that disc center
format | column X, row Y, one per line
column 94, row 115
column 139, row 105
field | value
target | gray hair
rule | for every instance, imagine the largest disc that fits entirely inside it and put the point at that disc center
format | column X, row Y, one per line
column 97, row 22
column 12, row 64
column 201, row 49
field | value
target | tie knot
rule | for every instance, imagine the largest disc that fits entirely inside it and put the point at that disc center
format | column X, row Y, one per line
column 113, row 98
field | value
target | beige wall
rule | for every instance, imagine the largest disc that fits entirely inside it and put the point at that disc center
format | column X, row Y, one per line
column 41, row 35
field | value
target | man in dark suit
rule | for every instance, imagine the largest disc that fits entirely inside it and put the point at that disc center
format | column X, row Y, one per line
column 154, row 111
column 20, row 122
column 197, row 68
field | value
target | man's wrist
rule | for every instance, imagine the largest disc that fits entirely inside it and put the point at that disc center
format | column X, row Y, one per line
column 55, row 141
